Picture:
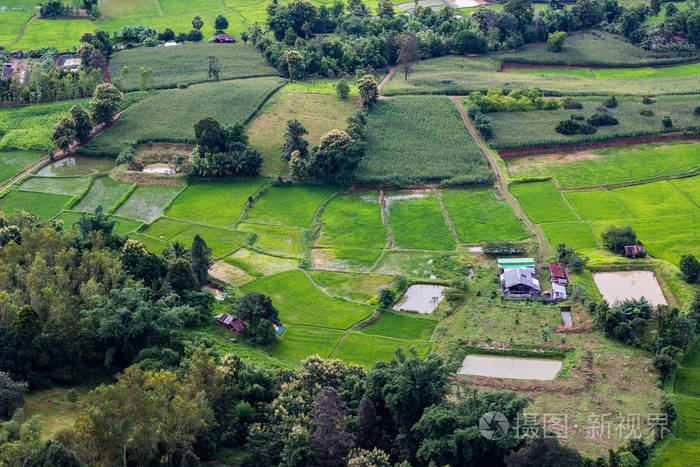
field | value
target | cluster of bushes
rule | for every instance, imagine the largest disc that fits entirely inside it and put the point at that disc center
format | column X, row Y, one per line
column 504, row 248
column 630, row 322
column 576, row 125
column 223, row 151
column 570, row 258
column 617, row 238
column 678, row 34
column 480, row 121
column 334, row 159
column 517, row 100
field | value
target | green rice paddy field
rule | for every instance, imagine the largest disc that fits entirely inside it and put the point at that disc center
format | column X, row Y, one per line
column 13, row 162
column 664, row 214
column 609, row 165
column 63, row 33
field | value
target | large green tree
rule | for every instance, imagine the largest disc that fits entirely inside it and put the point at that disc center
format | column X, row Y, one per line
column 105, row 104
column 200, row 255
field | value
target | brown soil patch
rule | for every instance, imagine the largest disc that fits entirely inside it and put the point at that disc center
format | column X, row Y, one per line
column 162, row 152
column 226, row 272
column 516, row 163
column 146, row 178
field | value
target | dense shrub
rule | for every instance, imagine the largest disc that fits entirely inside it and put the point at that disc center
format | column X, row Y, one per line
column 646, row 100
column 602, row 119
column 574, row 127
column 616, row 238
column 610, row 102
column 555, row 41
column 517, row 100
column 646, row 113
column 666, row 121
column 569, row 103
column 697, row 111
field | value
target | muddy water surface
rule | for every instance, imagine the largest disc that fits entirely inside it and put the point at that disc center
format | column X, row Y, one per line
column 423, row 298
column 514, row 368
column 617, row 286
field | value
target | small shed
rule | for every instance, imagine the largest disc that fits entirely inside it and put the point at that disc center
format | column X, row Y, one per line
column 558, row 291
column 7, row 71
column 558, row 274
column 224, row 39
column 231, row 323
column 16, row 54
column 634, row 251
column 505, row 263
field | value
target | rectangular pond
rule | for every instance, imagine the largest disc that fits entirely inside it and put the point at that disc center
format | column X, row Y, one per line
column 618, row 286
column 421, row 298
column 506, row 367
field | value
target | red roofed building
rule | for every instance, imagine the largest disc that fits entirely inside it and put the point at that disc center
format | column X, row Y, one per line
column 224, row 39
column 231, row 323
column 557, row 274
column 634, row 251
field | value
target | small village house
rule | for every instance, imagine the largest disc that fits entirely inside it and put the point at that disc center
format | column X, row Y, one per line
column 231, row 323
column 557, row 274
column 224, row 39
column 520, row 282
column 634, row 251
column 7, row 71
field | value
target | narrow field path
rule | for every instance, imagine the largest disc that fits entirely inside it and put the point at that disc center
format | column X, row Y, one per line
column 21, row 31
column 500, row 182
column 446, row 216
column 36, row 166
column 356, row 327
column 389, row 235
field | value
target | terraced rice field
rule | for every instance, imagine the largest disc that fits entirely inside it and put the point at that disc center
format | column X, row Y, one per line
column 146, row 202
column 417, row 222
column 664, row 214
column 354, row 221
column 610, row 165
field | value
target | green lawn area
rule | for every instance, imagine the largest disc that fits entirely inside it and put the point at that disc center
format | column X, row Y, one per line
column 301, row 302
column 417, row 223
column 310, row 103
column 654, row 199
column 13, row 162
column 11, row 23
column 687, row 382
column 147, row 201
column 172, row 113
column 542, row 202
column 221, row 241
column 257, row 264
column 413, row 264
column 154, row 245
column 679, row 454
column 59, row 186
column 30, row 126
column 344, row 259
column 188, row 63
column 217, row 203
column 366, row 350
column 42, row 205
column 166, row 228
column 360, row 287
column 418, row 139
column 691, row 69
column 401, row 326
column 610, row 165
column 122, row 227
column 480, row 215
column 292, row 205
column 596, row 205
column 690, row 187
column 575, row 234
column 276, row 239
column 353, row 220
column 63, row 33
column 103, row 192
column 537, row 128
column 577, row 72
column 298, row 342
